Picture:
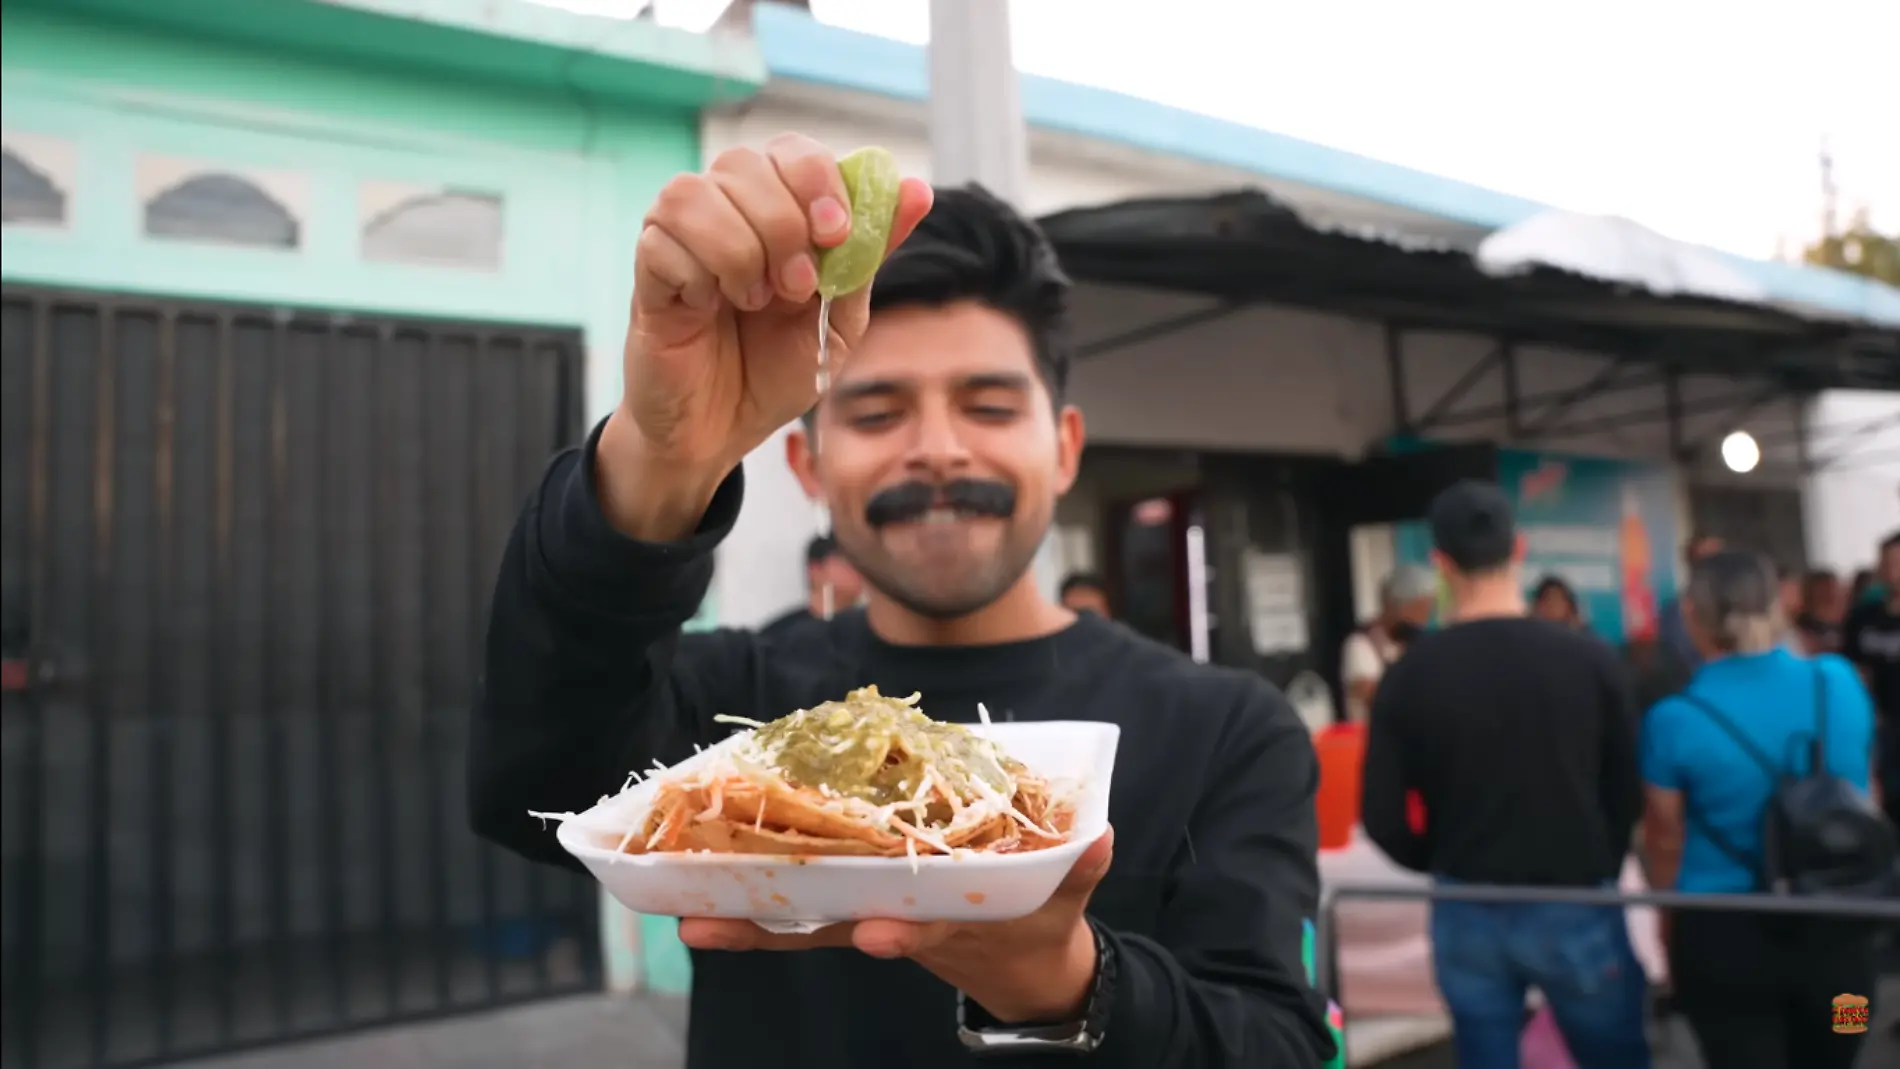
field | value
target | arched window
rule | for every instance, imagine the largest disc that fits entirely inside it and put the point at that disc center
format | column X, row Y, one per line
column 221, row 208
column 27, row 194
column 448, row 229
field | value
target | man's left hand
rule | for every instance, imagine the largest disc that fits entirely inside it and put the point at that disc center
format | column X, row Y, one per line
column 1035, row 968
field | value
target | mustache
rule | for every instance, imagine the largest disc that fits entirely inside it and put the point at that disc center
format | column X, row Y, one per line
column 907, row 502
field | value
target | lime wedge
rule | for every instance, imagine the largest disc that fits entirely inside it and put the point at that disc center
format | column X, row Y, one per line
column 871, row 180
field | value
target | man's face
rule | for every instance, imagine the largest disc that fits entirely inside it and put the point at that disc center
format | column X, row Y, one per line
column 847, row 586
column 1791, row 595
column 1418, row 611
column 1827, row 599
column 941, row 456
column 1890, row 568
column 1552, row 605
column 1086, row 599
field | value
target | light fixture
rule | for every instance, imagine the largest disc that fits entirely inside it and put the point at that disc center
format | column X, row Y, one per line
column 1741, row 452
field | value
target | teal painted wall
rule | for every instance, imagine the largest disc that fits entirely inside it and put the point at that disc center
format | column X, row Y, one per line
column 575, row 179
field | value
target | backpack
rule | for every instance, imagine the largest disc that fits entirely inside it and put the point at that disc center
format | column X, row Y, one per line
column 1819, row 835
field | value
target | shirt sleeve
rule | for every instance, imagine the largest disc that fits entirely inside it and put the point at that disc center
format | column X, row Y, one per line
column 1851, row 630
column 1386, row 780
column 1358, row 660
column 1621, row 780
column 1658, row 747
column 586, row 675
column 1221, row 984
column 1850, row 723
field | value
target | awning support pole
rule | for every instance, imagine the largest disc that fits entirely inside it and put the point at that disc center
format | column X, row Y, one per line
column 1570, row 398
column 1156, row 330
column 1672, row 410
column 1472, row 376
column 1395, row 374
column 1513, row 408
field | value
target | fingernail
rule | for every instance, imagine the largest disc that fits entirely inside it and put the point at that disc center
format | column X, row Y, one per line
column 758, row 296
column 828, row 218
column 799, row 277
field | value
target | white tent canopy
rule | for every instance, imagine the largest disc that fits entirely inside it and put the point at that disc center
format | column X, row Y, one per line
column 1616, row 250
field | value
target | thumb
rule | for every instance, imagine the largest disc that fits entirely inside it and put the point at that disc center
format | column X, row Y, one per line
column 851, row 313
column 1089, row 869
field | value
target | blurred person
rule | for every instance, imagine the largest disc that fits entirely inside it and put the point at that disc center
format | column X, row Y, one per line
column 1676, row 643
column 1407, row 599
column 1756, row 990
column 823, row 564
column 1863, row 588
column 1553, row 599
column 1788, row 590
column 1870, row 638
column 1085, row 592
column 1822, row 611
column 941, row 446
column 1519, row 736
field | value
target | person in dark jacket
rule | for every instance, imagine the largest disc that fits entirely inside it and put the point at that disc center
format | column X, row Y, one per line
column 1519, row 736
column 831, row 584
column 942, row 446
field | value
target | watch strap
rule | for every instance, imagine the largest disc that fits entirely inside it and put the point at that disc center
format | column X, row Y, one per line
column 977, row 1031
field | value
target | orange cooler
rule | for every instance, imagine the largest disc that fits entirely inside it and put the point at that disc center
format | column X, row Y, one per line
column 1342, row 756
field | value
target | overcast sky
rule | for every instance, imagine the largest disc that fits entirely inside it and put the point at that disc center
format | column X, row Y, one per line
column 1700, row 118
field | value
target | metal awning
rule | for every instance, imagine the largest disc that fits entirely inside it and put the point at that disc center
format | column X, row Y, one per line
column 1246, row 248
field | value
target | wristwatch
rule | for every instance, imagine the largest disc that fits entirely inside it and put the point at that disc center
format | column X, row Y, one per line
column 983, row 1034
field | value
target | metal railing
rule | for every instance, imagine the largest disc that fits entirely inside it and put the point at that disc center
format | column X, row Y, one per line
column 1326, row 934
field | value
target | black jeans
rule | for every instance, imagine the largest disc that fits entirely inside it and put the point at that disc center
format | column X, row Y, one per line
column 1758, row 992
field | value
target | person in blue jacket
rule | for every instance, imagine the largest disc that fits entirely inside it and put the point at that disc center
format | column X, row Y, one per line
column 1757, row 991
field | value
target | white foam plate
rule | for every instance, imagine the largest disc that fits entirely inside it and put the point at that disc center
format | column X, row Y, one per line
column 806, row 893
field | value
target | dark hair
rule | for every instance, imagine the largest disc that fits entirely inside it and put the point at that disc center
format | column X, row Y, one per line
column 1734, row 598
column 1082, row 581
column 973, row 246
column 1549, row 583
column 1695, row 539
column 1863, row 579
column 1891, row 542
column 821, row 548
column 1473, row 525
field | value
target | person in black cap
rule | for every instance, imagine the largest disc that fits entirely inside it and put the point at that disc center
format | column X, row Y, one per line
column 1519, row 736
column 823, row 564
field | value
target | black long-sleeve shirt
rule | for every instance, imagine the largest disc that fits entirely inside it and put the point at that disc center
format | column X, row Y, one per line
column 1214, row 873
column 1520, row 737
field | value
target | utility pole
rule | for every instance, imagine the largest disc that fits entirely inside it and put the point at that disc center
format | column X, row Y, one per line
column 977, row 132
column 1830, row 195
column 976, row 115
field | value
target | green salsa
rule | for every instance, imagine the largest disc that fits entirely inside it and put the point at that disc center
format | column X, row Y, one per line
column 877, row 749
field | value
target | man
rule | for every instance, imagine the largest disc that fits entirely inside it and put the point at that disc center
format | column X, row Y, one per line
column 1519, row 737
column 1406, row 601
column 1822, row 611
column 1871, row 639
column 941, row 448
column 1085, row 592
column 825, row 570
column 1674, row 632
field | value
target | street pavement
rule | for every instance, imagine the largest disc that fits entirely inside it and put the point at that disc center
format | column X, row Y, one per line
column 581, row 1032
column 648, row 1032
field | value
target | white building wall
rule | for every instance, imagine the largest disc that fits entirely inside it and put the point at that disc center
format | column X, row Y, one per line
column 1267, row 379
column 1852, row 504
